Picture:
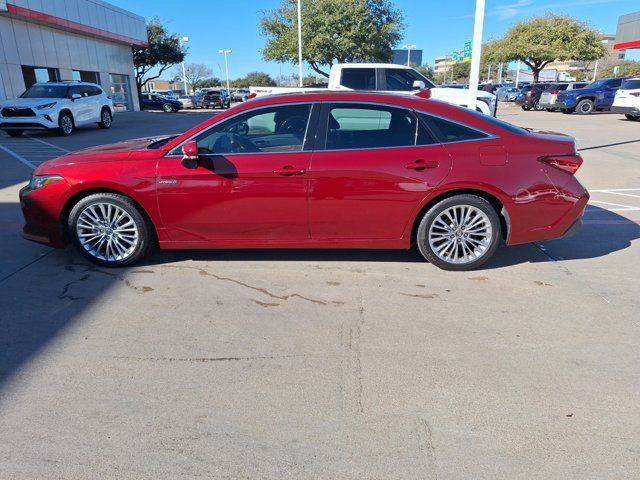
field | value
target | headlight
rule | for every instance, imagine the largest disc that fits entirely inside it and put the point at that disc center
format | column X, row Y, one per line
column 39, row 181
column 46, row 105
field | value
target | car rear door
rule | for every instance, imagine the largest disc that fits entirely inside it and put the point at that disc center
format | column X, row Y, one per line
column 251, row 183
column 368, row 176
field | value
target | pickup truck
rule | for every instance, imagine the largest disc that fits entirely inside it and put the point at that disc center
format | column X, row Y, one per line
column 388, row 78
column 598, row 95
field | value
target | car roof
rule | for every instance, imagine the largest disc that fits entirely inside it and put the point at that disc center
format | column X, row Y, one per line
column 67, row 83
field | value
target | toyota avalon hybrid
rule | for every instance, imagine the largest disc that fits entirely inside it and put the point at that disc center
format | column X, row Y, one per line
column 315, row 170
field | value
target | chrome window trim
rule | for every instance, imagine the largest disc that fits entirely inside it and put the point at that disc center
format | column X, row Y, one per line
column 179, row 146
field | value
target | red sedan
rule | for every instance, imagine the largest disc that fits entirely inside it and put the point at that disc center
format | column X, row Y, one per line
column 324, row 170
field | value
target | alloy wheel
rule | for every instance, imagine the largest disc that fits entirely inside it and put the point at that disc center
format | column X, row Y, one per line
column 107, row 232
column 66, row 124
column 106, row 118
column 460, row 234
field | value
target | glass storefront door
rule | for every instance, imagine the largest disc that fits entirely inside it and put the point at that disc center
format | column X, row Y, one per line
column 120, row 92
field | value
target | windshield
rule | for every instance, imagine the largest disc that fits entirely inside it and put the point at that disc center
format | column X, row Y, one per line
column 46, row 91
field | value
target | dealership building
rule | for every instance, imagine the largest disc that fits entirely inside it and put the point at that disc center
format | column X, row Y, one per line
column 88, row 40
column 628, row 33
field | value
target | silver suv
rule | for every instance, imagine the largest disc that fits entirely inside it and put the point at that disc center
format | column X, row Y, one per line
column 60, row 106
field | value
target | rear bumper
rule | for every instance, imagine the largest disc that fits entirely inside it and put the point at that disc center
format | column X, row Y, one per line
column 626, row 110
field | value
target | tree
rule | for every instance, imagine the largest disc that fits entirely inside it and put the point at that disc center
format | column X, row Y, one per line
column 333, row 31
column 426, row 70
column 258, row 79
column 626, row 68
column 542, row 40
column 194, row 72
column 208, row 83
column 163, row 51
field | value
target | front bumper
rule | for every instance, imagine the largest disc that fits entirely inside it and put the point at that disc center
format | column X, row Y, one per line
column 39, row 122
column 626, row 110
column 41, row 210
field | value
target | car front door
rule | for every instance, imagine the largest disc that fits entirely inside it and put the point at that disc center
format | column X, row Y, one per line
column 251, row 182
column 376, row 166
column 80, row 107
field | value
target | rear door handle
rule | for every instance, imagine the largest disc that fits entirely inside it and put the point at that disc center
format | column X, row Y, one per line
column 422, row 164
column 288, row 170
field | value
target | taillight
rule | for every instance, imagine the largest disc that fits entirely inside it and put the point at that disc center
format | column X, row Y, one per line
column 568, row 163
column 554, row 92
column 251, row 95
column 635, row 94
column 426, row 93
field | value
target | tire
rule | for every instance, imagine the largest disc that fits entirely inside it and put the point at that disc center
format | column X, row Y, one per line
column 537, row 107
column 14, row 133
column 585, row 107
column 551, row 109
column 526, row 108
column 435, row 233
column 98, row 243
column 566, row 111
column 167, row 108
column 105, row 119
column 633, row 118
column 65, row 124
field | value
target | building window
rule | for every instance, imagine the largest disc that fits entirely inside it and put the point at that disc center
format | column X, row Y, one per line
column 32, row 75
column 120, row 92
column 86, row 76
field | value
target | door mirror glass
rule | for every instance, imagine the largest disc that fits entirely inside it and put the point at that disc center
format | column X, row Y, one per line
column 190, row 155
column 75, row 96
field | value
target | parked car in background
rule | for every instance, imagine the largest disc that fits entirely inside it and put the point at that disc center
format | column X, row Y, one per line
column 389, row 171
column 549, row 97
column 598, row 95
column 216, row 98
column 60, row 106
column 166, row 93
column 529, row 97
column 186, row 101
column 153, row 101
column 627, row 100
column 507, row 94
column 197, row 99
column 240, row 95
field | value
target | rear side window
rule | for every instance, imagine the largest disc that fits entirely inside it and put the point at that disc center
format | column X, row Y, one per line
column 633, row 84
column 353, row 126
column 94, row 91
column 359, row 78
column 450, row 131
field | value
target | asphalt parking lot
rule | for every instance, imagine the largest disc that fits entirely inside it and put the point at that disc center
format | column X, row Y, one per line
column 327, row 364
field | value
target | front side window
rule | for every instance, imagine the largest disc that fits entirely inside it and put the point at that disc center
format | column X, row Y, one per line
column 353, row 126
column 274, row 129
column 401, row 79
column 615, row 83
column 359, row 78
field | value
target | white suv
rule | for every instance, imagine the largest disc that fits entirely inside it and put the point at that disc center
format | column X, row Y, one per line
column 60, row 106
column 627, row 100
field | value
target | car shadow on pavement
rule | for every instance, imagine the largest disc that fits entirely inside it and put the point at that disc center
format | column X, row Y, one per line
column 602, row 232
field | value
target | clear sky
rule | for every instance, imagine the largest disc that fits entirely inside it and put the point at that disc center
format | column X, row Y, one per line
column 437, row 27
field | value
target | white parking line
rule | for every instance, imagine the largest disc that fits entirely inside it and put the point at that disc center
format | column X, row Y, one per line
column 616, row 190
column 18, row 157
column 50, row 145
column 618, row 206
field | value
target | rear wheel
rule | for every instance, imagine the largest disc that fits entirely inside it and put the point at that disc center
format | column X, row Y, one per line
column 633, row 118
column 537, row 107
column 65, row 124
column 105, row 118
column 526, row 108
column 551, row 109
column 15, row 133
column 167, row 107
column 585, row 107
column 459, row 233
column 109, row 230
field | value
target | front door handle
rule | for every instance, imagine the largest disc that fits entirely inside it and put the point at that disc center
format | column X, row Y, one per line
column 422, row 164
column 289, row 170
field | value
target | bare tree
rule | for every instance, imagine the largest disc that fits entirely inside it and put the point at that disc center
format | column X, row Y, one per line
column 194, row 72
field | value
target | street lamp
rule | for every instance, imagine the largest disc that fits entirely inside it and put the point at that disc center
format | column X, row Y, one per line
column 184, row 75
column 409, row 47
column 476, row 48
column 300, row 42
column 226, row 66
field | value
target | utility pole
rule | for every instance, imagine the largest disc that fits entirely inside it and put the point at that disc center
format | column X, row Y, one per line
column 476, row 54
column 184, row 75
column 409, row 47
column 226, row 67
column 300, row 42
column 517, row 73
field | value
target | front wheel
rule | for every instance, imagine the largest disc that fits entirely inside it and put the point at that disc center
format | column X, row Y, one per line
column 168, row 108
column 551, row 109
column 537, row 107
column 65, row 124
column 633, row 118
column 109, row 230
column 459, row 233
column 526, row 108
column 585, row 107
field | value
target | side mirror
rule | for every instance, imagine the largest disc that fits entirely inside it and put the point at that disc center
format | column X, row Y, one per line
column 190, row 155
column 418, row 85
column 75, row 97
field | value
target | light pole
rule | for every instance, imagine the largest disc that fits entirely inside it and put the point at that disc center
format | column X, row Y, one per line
column 226, row 66
column 300, row 43
column 476, row 55
column 184, row 75
column 409, row 47
column 517, row 73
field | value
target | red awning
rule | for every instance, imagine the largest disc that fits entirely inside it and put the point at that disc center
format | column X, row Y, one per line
column 627, row 45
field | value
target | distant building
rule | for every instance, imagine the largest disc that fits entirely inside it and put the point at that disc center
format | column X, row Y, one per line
column 52, row 40
column 442, row 64
column 400, row 57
